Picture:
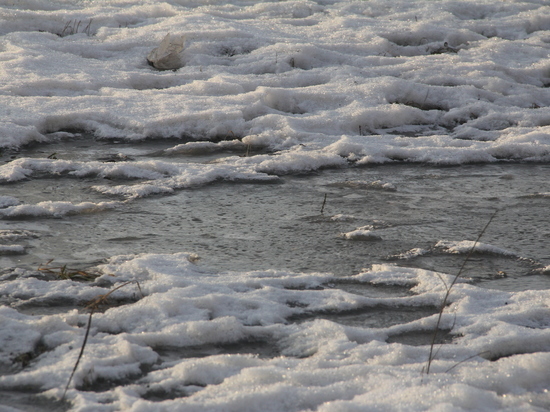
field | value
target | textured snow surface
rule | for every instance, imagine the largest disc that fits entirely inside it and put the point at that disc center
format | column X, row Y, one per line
column 497, row 360
column 267, row 89
column 313, row 84
column 443, row 81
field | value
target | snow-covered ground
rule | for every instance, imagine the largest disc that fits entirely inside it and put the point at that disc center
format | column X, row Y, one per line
column 498, row 359
column 321, row 85
column 267, row 89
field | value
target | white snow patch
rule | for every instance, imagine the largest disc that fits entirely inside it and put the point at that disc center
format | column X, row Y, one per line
column 56, row 209
column 362, row 233
column 465, row 246
column 411, row 254
column 323, row 363
column 6, row 201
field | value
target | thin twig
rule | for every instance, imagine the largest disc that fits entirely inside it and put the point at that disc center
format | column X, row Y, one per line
column 65, row 28
column 442, row 280
column 448, row 292
column 63, row 272
column 425, row 98
column 93, row 306
column 467, row 359
column 87, row 30
column 324, row 202
column 80, row 354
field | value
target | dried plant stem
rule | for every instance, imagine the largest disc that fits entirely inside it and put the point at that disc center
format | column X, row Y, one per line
column 324, row 203
column 80, row 354
column 448, row 292
column 467, row 359
column 93, row 306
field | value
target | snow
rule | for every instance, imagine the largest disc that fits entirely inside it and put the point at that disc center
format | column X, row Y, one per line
column 55, row 209
column 502, row 337
column 268, row 89
column 286, row 74
column 6, row 201
column 362, row 233
column 465, row 246
column 12, row 249
column 10, row 235
column 317, row 85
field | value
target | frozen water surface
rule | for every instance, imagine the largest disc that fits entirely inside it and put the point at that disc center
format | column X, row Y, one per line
column 273, row 224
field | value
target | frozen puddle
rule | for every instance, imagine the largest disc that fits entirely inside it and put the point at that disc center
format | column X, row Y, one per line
column 371, row 317
column 30, row 402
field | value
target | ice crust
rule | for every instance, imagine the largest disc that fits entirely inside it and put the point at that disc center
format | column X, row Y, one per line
column 466, row 246
column 362, row 233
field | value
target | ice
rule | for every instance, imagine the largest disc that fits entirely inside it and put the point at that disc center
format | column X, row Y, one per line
column 154, row 177
column 342, row 218
column 263, row 90
column 12, row 249
column 10, row 235
column 55, row 209
column 7, row 236
column 410, row 254
column 6, row 201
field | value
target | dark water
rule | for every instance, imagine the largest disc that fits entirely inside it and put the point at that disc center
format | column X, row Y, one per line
column 235, row 226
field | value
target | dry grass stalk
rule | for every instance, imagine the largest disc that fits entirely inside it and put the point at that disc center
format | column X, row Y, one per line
column 324, row 203
column 93, row 306
column 63, row 272
column 448, row 289
column 72, row 27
